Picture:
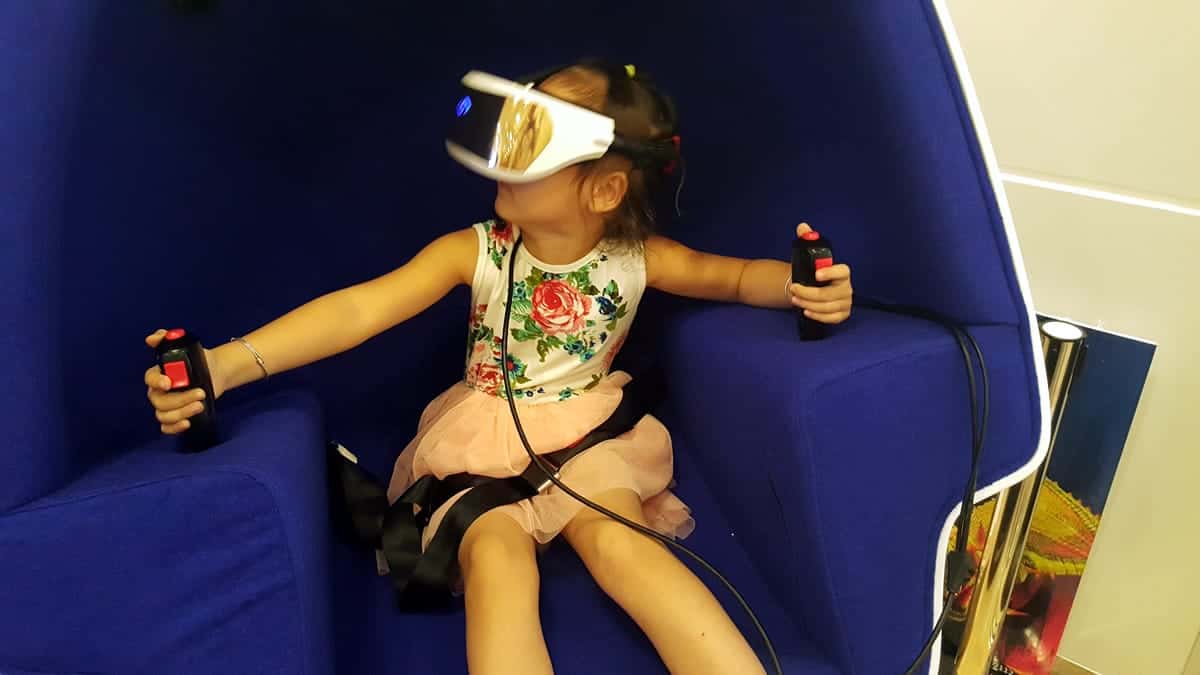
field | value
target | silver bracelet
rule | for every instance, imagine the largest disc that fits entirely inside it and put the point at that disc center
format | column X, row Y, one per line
column 787, row 290
column 253, row 352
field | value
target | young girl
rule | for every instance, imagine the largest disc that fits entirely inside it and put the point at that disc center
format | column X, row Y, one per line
column 587, row 255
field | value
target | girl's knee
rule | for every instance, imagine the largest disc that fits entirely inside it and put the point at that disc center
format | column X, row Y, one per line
column 619, row 557
column 496, row 545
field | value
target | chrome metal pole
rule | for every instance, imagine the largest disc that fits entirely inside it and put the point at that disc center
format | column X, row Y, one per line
column 1061, row 347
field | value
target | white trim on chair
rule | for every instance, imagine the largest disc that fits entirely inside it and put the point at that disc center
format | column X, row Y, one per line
column 1018, row 262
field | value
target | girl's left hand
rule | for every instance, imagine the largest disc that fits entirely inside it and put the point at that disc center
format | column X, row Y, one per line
column 828, row 304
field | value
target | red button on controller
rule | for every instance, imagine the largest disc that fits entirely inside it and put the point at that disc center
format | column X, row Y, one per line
column 175, row 334
column 810, row 236
column 821, row 263
column 177, row 371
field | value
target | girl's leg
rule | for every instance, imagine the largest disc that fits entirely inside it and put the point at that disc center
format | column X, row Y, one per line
column 688, row 627
column 504, row 630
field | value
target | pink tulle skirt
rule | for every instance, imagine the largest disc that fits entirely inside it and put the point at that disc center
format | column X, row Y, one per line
column 465, row 430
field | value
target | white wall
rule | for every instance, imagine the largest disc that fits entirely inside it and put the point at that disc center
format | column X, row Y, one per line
column 1105, row 94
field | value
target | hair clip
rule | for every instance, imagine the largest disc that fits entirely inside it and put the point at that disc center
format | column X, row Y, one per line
column 669, row 168
column 631, row 70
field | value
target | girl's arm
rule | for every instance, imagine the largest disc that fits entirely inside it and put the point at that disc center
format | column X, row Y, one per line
column 338, row 321
column 677, row 269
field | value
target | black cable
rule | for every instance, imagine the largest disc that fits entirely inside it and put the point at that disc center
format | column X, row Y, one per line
column 550, row 471
column 978, row 433
column 958, row 563
column 968, row 500
column 933, row 635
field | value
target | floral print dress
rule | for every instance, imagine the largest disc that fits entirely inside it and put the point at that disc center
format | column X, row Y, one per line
column 568, row 323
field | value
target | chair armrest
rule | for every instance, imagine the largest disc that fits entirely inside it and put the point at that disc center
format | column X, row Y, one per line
column 837, row 462
column 184, row 563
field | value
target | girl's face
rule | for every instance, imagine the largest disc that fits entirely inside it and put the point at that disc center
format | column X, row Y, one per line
column 566, row 199
column 555, row 200
column 570, row 197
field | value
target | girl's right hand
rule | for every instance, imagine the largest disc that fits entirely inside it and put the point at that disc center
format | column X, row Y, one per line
column 174, row 408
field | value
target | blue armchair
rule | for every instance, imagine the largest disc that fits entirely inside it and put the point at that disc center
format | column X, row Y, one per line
column 214, row 168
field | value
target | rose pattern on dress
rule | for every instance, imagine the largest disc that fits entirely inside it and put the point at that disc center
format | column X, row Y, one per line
column 558, row 313
column 558, row 308
column 478, row 333
column 564, row 311
column 499, row 238
column 486, row 378
column 484, row 372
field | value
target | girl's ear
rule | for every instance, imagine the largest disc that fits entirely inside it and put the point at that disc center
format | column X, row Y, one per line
column 607, row 191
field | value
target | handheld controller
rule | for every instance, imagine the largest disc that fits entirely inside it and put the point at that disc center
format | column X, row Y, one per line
column 181, row 358
column 810, row 252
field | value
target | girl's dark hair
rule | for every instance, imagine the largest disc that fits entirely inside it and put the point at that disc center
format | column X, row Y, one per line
column 643, row 115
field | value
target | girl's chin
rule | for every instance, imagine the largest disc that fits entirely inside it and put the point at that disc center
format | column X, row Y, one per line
column 504, row 202
column 501, row 207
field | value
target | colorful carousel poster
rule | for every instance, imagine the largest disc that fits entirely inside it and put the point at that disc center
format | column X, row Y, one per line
column 1096, row 421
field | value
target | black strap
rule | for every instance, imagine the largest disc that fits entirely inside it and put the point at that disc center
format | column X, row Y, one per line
column 422, row 580
column 426, row 584
column 358, row 501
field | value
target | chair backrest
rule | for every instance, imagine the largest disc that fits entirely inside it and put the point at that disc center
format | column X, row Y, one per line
column 32, row 144
column 848, row 115
column 215, row 169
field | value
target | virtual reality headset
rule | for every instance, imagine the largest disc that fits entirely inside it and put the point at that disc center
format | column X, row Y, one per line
column 514, row 133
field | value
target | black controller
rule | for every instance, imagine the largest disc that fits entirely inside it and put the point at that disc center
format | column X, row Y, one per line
column 810, row 252
column 181, row 358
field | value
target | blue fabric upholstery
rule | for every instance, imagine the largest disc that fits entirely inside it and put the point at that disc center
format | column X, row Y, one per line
column 166, row 562
column 215, row 170
column 32, row 148
column 840, row 457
